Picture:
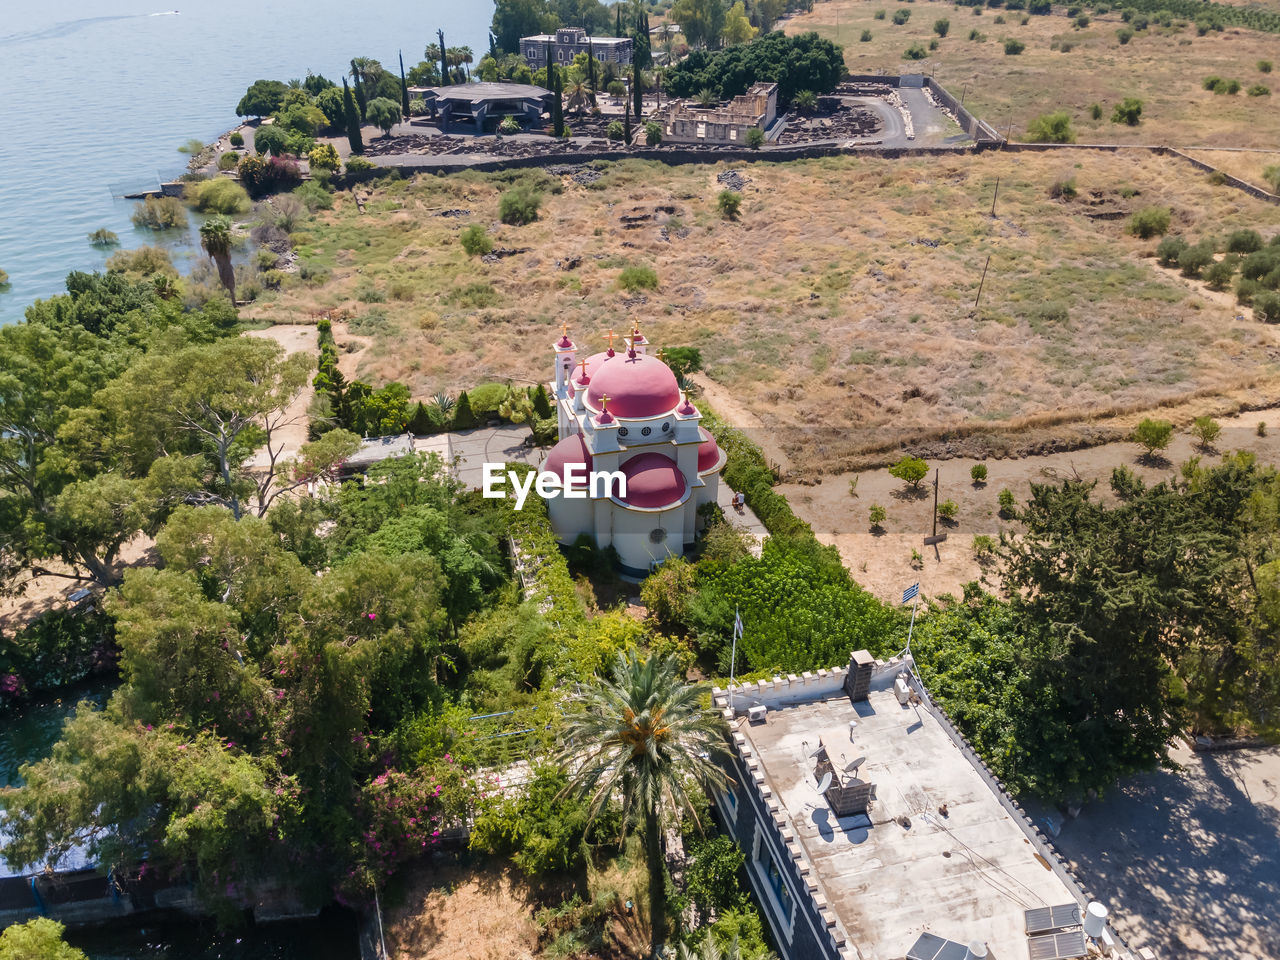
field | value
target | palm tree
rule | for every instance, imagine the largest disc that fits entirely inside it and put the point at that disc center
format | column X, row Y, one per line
column 707, row 97
column 643, row 737
column 578, row 97
column 215, row 237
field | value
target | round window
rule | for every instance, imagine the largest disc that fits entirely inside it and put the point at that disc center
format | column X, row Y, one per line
column 666, row 426
column 657, row 535
column 645, row 431
column 622, row 431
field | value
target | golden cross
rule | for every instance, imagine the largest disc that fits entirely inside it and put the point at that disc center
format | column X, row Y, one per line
column 635, row 330
column 604, row 403
column 564, row 329
column 610, row 339
column 583, row 365
column 662, row 355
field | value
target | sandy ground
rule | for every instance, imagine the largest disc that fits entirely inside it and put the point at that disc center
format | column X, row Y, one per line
column 293, row 434
column 1189, row 862
column 464, row 913
column 883, row 563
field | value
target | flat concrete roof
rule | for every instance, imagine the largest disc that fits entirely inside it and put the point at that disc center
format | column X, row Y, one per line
column 966, row 875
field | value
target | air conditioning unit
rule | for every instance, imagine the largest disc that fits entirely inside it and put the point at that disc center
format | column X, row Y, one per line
column 756, row 714
column 901, row 690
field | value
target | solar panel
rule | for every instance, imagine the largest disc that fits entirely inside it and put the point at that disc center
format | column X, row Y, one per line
column 929, row 946
column 1044, row 919
column 1058, row 946
column 926, row 947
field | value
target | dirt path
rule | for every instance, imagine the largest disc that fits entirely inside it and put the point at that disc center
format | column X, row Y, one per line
column 734, row 413
column 293, row 434
column 884, row 564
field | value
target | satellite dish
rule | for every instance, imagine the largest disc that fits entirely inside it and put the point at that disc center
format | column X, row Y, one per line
column 825, row 783
column 854, row 764
column 817, row 753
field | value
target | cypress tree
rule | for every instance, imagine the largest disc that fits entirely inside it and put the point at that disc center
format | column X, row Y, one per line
column 541, row 402
column 404, row 90
column 444, row 61
column 626, row 122
column 352, row 120
column 361, row 100
column 557, row 101
column 617, row 32
column 591, row 70
column 637, row 92
column 463, row 418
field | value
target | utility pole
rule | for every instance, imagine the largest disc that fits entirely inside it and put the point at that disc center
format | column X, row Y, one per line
column 993, row 197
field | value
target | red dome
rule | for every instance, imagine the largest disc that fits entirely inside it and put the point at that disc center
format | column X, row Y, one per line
column 637, row 387
column 593, row 366
column 653, row 481
column 708, row 452
column 572, row 449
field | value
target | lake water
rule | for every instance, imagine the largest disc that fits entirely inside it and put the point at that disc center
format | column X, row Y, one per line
column 99, row 94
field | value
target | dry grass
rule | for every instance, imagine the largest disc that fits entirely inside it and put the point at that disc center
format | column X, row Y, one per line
column 1245, row 164
column 1161, row 67
column 843, row 296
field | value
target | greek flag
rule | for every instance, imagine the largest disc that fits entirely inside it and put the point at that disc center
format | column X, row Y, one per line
column 737, row 624
column 910, row 593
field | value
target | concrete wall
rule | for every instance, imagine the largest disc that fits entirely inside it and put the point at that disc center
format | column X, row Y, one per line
column 979, row 131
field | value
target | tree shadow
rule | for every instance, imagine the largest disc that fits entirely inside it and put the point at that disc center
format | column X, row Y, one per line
column 1155, row 460
column 910, row 493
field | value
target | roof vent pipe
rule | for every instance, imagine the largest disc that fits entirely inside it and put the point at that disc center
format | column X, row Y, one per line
column 1095, row 919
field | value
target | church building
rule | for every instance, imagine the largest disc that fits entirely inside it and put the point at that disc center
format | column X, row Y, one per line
column 623, row 411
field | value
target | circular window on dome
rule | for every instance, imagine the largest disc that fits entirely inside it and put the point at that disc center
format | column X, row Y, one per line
column 666, row 426
column 657, row 535
column 622, row 431
column 645, row 431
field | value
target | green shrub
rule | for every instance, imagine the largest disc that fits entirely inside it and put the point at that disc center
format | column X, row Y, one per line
column 1051, row 128
column 1266, row 307
column 519, row 206
column 866, row 36
column 878, row 516
column 1008, row 503
column 218, row 196
column 160, row 213
column 1261, row 429
column 914, row 52
column 509, row 126
column 104, row 238
column 984, row 546
column 615, row 131
column 1150, row 222
column 1212, row 83
column 324, row 157
column 878, row 15
column 1264, row 66
column 475, row 240
column 910, row 470
column 901, row 16
column 652, row 134
column 1205, row 430
column 1013, row 47
column 1080, row 22
column 1128, row 111
column 975, row 34
column 729, row 202
column 978, row 473
column 56, row 649
column 637, row 277
column 755, row 138
column 1194, row 259
column 463, row 416
column 1259, row 90
column 941, row 27
column 1095, row 111
column 314, row 196
column 1244, row 241
column 616, row 88
column 1152, row 435
column 236, row 138
column 1169, row 250
column 1217, row 276
column 948, row 509
column 1124, row 35
column 359, row 165
column 228, row 160
column 271, row 139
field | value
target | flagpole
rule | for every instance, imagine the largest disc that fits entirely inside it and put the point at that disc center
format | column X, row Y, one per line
column 914, row 603
column 733, row 656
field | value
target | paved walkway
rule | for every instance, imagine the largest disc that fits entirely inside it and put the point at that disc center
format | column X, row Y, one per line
column 744, row 519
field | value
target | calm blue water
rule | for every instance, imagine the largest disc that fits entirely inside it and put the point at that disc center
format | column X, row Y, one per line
column 99, row 94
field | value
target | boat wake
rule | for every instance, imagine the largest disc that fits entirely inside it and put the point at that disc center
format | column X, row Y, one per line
column 56, row 30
